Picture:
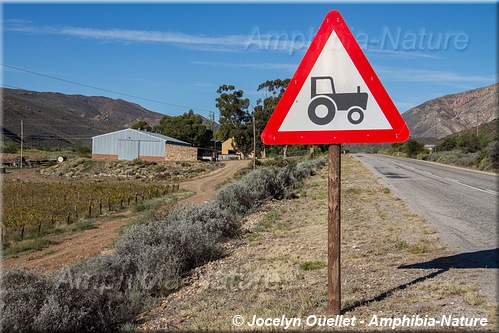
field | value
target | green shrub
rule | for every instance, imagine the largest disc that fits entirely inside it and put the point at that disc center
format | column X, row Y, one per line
column 471, row 143
column 84, row 151
column 311, row 265
column 11, row 148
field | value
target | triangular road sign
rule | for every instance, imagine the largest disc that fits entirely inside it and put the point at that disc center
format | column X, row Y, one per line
column 335, row 97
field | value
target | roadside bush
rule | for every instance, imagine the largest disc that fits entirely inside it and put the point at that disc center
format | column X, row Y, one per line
column 11, row 148
column 158, row 254
column 471, row 143
column 243, row 197
column 72, row 310
column 218, row 220
column 23, row 296
column 446, row 144
column 102, row 293
column 493, row 150
column 84, row 151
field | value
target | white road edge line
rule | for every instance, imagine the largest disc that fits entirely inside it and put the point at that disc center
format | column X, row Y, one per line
column 452, row 180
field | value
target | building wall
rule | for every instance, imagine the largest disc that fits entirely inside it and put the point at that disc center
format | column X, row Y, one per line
column 180, row 153
column 104, row 157
column 118, row 143
column 227, row 147
column 152, row 158
column 129, row 144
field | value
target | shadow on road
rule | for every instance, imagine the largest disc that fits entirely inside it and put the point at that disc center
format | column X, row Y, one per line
column 478, row 259
column 388, row 293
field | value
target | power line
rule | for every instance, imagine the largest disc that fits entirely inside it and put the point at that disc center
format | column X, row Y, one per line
column 101, row 89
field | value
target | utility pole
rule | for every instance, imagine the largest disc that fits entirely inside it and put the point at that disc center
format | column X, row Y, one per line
column 22, row 139
column 212, row 119
column 254, row 142
column 477, row 123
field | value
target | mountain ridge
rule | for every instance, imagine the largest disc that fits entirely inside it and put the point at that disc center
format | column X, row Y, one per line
column 453, row 113
column 53, row 119
column 57, row 120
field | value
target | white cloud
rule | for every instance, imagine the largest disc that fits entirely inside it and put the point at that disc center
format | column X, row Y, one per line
column 214, row 43
column 279, row 66
column 434, row 76
column 254, row 41
column 403, row 54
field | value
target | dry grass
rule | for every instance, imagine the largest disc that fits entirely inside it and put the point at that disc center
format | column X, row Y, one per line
column 278, row 267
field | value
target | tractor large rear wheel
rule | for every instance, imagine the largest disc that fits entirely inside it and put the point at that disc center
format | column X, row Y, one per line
column 312, row 110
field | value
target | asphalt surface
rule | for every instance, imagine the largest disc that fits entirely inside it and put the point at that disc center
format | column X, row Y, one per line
column 460, row 204
column 459, row 201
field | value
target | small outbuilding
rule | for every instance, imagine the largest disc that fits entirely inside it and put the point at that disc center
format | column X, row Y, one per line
column 129, row 144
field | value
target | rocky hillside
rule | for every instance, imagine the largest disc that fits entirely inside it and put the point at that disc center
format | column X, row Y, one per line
column 53, row 119
column 450, row 114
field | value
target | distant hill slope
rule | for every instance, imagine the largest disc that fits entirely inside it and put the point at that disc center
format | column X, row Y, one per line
column 450, row 114
column 53, row 119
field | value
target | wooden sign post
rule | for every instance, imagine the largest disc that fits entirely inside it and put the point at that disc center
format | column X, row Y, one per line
column 335, row 98
column 333, row 235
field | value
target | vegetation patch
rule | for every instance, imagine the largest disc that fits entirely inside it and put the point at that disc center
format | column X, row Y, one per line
column 28, row 245
column 35, row 209
column 262, row 276
column 311, row 265
column 102, row 293
column 473, row 148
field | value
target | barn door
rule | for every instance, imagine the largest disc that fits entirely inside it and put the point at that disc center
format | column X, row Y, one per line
column 128, row 149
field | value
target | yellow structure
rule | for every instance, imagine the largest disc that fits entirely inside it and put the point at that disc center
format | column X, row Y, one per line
column 228, row 149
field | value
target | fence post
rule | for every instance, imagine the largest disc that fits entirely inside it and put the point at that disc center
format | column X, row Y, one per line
column 90, row 208
column 39, row 227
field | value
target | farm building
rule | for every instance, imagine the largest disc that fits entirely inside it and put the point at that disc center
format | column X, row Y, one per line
column 129, row 144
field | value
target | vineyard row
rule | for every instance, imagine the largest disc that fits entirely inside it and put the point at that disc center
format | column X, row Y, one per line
column 31, row 207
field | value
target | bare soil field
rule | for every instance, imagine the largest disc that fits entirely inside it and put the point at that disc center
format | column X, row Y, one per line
column 278, row 269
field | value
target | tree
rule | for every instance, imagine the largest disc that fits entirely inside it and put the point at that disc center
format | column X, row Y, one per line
column 84, row 151
column 447, row 143
column 471, row 143
column 235, row 120
column 142, row 125
column 274, row 89
column 11, row 148
column 413, row 147
column 188, row 127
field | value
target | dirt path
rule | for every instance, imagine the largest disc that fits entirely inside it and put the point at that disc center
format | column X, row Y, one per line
column 89, row 243
column 206, row 187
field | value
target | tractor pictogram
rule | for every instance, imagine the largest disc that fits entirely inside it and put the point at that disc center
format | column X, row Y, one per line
column 354, row 103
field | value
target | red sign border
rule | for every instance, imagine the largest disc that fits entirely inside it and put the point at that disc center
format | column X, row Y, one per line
column 399, row 132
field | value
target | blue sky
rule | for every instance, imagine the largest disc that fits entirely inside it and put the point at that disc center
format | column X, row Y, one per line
column 172, row 57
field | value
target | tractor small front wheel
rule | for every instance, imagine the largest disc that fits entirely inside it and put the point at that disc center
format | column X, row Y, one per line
column 357, row 119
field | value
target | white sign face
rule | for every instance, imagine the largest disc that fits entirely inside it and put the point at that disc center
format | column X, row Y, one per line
column 333, row 96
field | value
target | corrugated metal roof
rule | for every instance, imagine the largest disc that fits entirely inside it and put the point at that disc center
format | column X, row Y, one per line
column 168, row 139
column 155, row 135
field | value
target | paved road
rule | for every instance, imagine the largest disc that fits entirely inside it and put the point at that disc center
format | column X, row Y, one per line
column 460, row 204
